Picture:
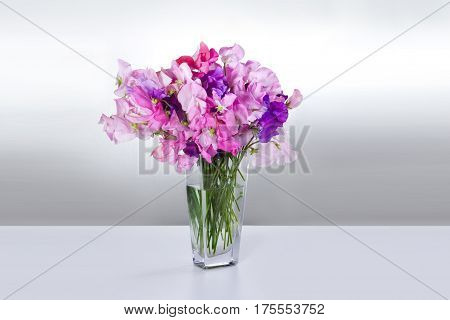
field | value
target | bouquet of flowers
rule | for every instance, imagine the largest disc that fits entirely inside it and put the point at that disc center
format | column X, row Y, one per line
column 208, row 113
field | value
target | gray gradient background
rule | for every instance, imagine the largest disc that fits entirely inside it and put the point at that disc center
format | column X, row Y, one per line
column 378, row 148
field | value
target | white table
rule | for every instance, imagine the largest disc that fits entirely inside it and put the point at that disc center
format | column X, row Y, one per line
column 276, row 263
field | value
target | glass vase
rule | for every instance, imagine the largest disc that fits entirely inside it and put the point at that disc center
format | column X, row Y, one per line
column 216, row 198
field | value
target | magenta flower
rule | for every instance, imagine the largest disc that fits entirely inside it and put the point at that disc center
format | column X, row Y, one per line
column 202, row 59
column 205, row 57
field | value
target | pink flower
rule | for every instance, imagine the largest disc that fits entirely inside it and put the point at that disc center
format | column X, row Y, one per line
column 123, row 107
column 122, row 77
column 164, row 79
column 174, row 124
column 180, row 73
column 118, row 129
column 294, row 100
column 240, row 112
column 138, row 114
column 275, row 152
column 167, row 151
column 222, row 104
column 235, row 77
column 140, row 97
column 244, row 135
column 228, row 124
column 231, row 55
column 158, row 118
column 230, row 145
column 266, row 79
column 204, row 57
column 207, row 138
column 207, row 141
column 192, row 98
column 226, row 132
column 185, row 163
column 252, row 99
column 151, row 80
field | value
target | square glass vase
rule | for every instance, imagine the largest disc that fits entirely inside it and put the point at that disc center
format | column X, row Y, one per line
column 216, row 195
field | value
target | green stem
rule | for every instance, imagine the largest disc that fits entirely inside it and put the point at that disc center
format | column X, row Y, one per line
column 219, row 217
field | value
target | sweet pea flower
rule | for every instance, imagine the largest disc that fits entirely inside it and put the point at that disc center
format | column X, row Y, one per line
column 185, row 163
column 167, row 151
column 180, row 73
column 122, row 77
column 241, row 113
column 265, row 78
column 228, row 120
column 123, row 107
column 118, row 129
column 231, row 55
column 202, row 59
column 207, row 140
column 294, row 100
column 274, row 118
column 244, row 135
column 252, row 99
column 230, row 145
column 174, row 124
column 192, row 98
column 222, row 104
column 198, row 123
column 158, row 118
column 205, row 57
column 214, row 81
column 151, row 80
column 238, row 75
column 276, row 152
column 191, row 149
column 164, row 79
column 140, row 96
column 227, row 131
column 175, row 107
column 187, row 60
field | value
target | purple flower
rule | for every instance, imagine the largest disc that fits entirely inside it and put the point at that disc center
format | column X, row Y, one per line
column 156, row 93
column 191, row 149
column 215, row 80
column 174, row 105
column 274, row 117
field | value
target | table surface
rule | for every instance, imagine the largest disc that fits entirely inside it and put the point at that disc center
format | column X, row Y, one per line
column 275, row 263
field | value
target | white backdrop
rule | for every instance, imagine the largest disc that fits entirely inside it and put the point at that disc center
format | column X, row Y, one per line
column 378, row 145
